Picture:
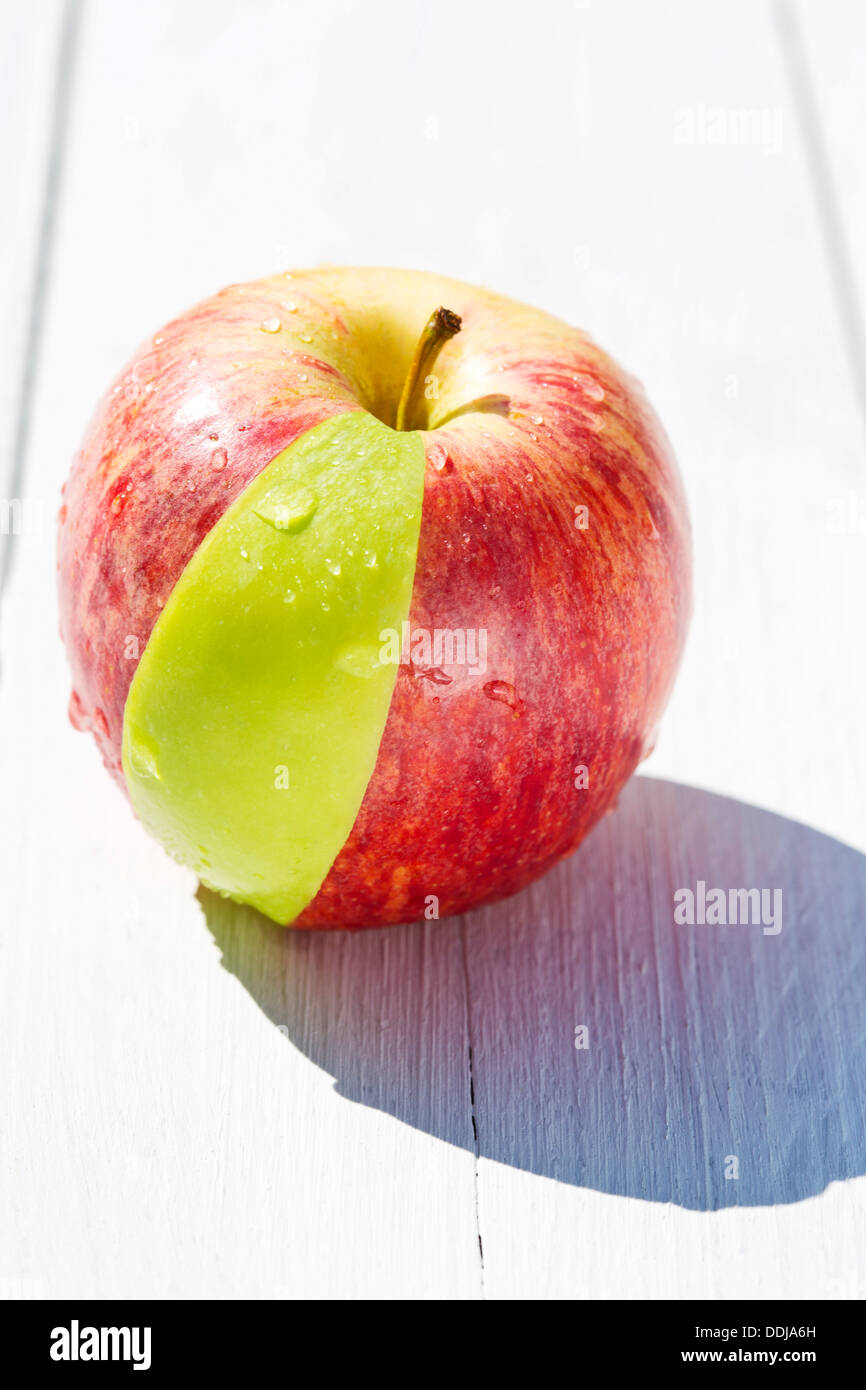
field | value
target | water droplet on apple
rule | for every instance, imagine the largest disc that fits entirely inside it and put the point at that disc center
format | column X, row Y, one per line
column 289, row 596
column 78, row 716
column 289, row 511
column 289, row 308
column 434, row 674
column 650, row 741
column 334, row 566
column 439, row 457
column 361, row 659
column 271, row 325
column 595, row 423
column 505, row 694
column 590, row 387
column 218, row 460
column 537, row 419
column 245, row 554
column 650, row 527
column 143, row 754
column 370, row 559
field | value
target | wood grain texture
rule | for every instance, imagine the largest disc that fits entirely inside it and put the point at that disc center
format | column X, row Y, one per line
column 196, row 1105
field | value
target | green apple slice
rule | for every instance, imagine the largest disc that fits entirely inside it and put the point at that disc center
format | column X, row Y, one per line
column 254, row 719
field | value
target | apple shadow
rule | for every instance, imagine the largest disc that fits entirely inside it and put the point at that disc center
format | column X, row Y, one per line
column 723, row 1066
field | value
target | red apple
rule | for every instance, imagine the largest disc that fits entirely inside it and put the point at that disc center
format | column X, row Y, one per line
column 553, row 521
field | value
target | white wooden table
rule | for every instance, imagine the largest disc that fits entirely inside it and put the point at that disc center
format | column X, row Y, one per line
column 198, row 1104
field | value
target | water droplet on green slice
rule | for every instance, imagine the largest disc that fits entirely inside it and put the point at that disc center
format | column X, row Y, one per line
column 288, row 511
column 362, row 659
column 143, row 754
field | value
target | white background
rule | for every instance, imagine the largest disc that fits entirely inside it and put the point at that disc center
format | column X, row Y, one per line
column 160, row 1135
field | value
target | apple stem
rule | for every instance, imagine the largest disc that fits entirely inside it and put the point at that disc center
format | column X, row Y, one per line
column 441, row 325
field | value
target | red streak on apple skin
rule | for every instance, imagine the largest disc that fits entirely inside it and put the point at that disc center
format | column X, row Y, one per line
column 473, row 794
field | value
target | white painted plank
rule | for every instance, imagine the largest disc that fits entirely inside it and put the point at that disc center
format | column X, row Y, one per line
column 165, row 1137
column 30, row 39
column 826, row 52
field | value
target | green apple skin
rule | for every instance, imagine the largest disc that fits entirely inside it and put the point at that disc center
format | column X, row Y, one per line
column 254, row 719
column 553, row 519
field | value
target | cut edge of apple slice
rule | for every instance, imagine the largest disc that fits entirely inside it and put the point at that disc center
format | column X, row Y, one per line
column 255, row 715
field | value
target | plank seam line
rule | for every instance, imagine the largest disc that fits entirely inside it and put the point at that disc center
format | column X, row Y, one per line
column 64, row 79
column 476, row 1146
column 823, row 187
